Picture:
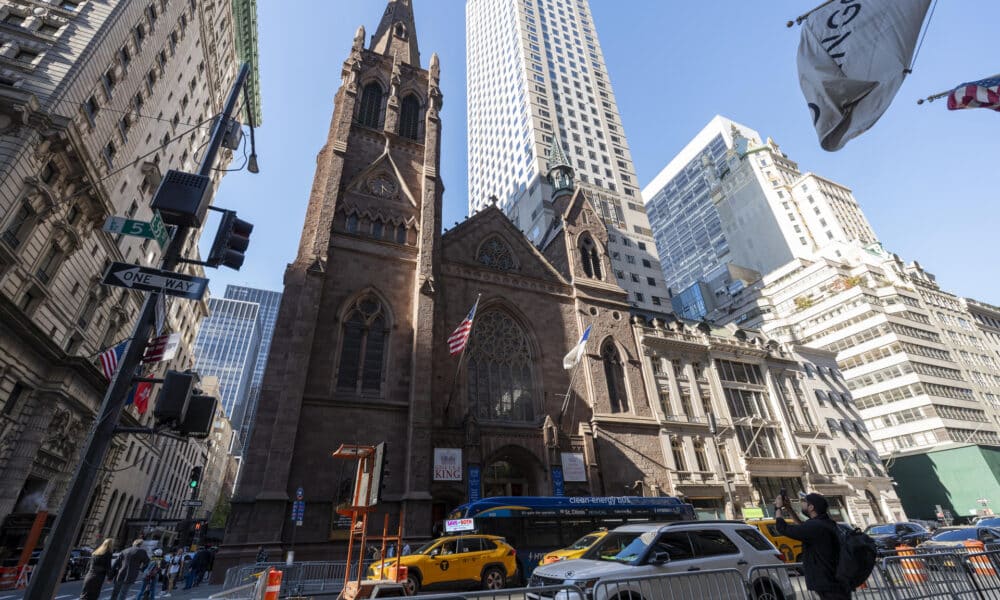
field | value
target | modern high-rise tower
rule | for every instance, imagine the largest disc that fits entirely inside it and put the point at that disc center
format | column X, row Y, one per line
column 227, row 346
column 269, row 302
column 535, row 72
column 730, row 197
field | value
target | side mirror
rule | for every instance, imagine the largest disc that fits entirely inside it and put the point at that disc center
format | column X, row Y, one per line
column 659, row 558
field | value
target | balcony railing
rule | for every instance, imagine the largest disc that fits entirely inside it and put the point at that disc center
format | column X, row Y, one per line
column 696, row 420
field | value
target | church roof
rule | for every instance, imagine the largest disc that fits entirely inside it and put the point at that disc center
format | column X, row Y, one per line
column 557, row 158
column 397, row 34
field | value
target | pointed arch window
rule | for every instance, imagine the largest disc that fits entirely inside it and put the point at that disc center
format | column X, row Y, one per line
column 614, row 375
column 590, row 257
column 363, row 344
column 498, row 374
column 495, row 254
column 409, row 118
column 370, row 111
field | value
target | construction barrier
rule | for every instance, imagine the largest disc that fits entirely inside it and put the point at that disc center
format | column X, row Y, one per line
column 914, row 569
column 273, row 584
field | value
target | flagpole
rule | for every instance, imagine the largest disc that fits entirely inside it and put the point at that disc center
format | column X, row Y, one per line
column 461, row 356
column 798, row 20
column 569, row 390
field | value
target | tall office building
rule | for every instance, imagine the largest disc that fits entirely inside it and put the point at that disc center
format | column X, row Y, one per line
column 269, row 302
column 98, row 98
column 536, row 73
column 730, row 198
column 227, row 346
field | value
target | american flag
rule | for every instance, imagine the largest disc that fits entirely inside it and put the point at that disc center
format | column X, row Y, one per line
column 109, row 359
column 984, row 93
column 460, row 337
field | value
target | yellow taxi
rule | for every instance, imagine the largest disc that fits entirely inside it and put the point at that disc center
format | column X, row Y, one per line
column 574, row 550
column 458, row 561
column 789, row 548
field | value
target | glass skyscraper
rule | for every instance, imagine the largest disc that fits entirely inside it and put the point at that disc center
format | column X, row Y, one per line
column 269, row 303
column 227, row 346
column 536, row 71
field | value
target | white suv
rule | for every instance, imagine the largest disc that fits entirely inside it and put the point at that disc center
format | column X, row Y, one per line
column 630, row 564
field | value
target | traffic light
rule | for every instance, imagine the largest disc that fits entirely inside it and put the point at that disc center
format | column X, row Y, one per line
column 231, row 241
column 197, row 526
column 172, row 403
column 195, row 477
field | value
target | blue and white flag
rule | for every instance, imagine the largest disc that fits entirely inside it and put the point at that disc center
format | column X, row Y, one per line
column 574, row 356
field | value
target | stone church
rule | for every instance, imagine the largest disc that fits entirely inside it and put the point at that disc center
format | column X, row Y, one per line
column 360, row 353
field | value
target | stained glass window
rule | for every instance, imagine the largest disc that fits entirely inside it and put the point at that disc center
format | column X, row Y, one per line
column 590, row 258
column 362, row 351
column 496, row 255
column 499, row 370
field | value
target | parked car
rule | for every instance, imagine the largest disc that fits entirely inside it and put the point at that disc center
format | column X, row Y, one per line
column 889, row 535
column 79, row 562
column 988, row 522
column 947, row 538
column 457, row 561
column 633, row 551
column 576, row 549
column 791, row 549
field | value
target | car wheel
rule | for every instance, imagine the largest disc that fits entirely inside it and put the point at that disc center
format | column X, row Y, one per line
column 494, row 579
column 412, row 584
column 766, row 589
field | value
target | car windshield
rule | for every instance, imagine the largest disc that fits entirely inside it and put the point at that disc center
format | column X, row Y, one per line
column 955, row 535
column 583, row 542
column 881, row 529
column 426, row 547
column 624, row 546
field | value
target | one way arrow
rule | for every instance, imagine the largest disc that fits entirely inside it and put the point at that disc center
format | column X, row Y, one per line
column 154, row 280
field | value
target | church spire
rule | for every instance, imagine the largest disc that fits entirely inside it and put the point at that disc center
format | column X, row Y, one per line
column 560, row 174
column 396, row 34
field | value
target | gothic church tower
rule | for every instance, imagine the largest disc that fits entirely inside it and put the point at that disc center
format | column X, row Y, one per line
column 350, row 360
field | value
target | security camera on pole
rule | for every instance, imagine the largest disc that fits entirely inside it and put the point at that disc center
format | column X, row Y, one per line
column 182, row 201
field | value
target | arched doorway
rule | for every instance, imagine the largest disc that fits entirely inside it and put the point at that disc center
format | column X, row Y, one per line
column 513, row 471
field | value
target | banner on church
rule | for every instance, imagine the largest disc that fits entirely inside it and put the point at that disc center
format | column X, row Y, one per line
column 475, row 483
column 574, row 467
column 558, row 487
column 447, row 464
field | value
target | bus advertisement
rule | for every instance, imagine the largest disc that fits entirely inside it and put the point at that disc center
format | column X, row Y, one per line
column 536, row 525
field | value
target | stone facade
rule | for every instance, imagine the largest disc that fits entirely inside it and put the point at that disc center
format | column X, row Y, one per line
column 98, row 98
column 360, row 352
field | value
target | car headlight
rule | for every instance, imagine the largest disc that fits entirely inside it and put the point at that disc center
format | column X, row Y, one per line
column 586, row 584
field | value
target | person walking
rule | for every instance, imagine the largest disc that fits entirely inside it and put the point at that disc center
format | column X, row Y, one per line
column 150, row 575
column 175, row 563
column 820, row 543
column 127, row 568
column 99, row 570
column 203, row 559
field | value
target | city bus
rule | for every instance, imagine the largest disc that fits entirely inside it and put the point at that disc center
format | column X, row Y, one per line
column 536, row 525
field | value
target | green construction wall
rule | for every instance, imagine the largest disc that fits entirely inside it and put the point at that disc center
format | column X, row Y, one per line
column 954, row 478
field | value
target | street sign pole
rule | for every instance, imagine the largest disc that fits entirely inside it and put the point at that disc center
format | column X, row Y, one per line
column 60, row 540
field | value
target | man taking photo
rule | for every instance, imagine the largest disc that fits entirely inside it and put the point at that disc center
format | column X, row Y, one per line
column 820, row 543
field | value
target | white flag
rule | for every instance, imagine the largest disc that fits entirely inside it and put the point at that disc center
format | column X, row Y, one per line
column 852, row 59
column 573, row 357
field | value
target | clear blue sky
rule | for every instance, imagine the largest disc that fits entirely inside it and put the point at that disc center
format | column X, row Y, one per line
column 926, row 177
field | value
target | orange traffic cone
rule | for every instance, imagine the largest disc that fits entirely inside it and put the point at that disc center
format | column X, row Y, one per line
column 273, row 584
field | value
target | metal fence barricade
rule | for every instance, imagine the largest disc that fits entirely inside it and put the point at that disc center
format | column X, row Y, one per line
column 983, row 569
column 721, row 584
column 547, row 592
column 926, row 576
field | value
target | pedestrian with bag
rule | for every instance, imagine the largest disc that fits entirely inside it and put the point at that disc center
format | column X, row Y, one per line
column 127, row 568
column 150, row 576
column 98, row 571
column 835, row 562
column 175, row 563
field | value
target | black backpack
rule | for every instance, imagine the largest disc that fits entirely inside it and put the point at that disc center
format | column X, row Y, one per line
column 856, row 559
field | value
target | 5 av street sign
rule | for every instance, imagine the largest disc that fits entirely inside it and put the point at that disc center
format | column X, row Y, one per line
column 154, row 230
column 155, row 280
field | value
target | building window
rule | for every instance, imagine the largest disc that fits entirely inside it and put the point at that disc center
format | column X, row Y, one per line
column 49, row 264
column 700, row 456
column 14, row 19
column 614, row 375
column 370, row 111
column 401, row 234
column 19, row 226
column 498, row 374
column 590, row 257
column 409, row 118
column 25, row 55
column 91, row 108
column 363, row 345
column 677, row 449
column 352, row 224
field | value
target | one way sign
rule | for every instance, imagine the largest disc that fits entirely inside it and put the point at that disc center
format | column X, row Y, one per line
column 155, row 280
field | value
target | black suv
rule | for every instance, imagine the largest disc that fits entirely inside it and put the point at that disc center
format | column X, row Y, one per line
column 888, row 536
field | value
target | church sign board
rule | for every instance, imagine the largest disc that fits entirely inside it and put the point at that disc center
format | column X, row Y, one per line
column 448, row 464
column 573, row 466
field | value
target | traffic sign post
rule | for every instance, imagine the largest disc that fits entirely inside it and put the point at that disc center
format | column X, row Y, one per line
column 192, row 503
column 154, row 230
column 154, row 280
